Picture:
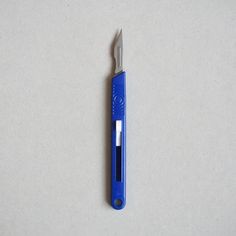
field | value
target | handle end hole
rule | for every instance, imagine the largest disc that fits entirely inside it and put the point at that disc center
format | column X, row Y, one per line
column 118, row 202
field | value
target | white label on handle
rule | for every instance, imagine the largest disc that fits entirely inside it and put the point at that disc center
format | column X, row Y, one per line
column 118, row 132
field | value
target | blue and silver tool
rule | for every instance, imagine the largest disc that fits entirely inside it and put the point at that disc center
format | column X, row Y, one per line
column 118, row 121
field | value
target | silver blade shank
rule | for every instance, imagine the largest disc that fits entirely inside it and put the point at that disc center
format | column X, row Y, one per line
column 118, row 53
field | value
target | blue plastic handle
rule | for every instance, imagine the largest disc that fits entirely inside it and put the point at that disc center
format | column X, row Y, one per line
column 118, row 178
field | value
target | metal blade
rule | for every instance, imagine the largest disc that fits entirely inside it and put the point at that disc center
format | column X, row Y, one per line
column 118, row 53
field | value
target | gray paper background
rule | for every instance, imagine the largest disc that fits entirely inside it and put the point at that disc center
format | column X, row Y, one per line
column 56, row 66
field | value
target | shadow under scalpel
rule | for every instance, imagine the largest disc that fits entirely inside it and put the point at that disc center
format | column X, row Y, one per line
column 107, row 125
